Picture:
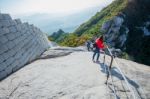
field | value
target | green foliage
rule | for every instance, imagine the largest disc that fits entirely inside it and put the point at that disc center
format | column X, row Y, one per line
column 69, row 40
column 58, row 36
column 50, row 38
column 72, row 40
column 126, row 56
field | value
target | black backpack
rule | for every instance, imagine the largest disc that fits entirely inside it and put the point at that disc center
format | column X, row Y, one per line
column 94, row 45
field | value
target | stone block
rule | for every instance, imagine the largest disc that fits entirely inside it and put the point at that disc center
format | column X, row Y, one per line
column 28, row 38
column 22, row 26
column 12, row 29
column 15, row 41
column 10, row 45
column 16, row 68
column 22, row 61
column 28, row 33
column 27, row 24
column 23, row 31
column 25, row 42
column 3, row 74
column 34, row 34
column 1, row 16
column 1, row 58
column 3, row 39
column 19, row 33
column 17, row 47
column 10, row 36
column 16, row 65
column 5, row 23
column 1, row 25
column 18, row 21
column 17, row 56
column 13, row 22
column 6, row 55
column 3, row 66
column 26, row 47
column 25, row 35
column 18, row 27
column 19, row 40
column 23, row 38
column 26, row 59
column 3, row 48
column 16, row 34
column 6, row 17
column 3, row 31
column 21, row 65
column 9, row 70
column 32, row 42
column 9, row 61
column 11, row 52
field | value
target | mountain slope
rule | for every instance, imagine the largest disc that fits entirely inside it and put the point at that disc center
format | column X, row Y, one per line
column 93, row 25
column 125, row 25
column 91, row 28
column 57, row 36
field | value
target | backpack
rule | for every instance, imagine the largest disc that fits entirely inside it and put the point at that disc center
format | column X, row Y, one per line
column 94, row 45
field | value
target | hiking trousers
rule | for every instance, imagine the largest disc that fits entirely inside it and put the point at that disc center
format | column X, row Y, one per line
column 96, row 52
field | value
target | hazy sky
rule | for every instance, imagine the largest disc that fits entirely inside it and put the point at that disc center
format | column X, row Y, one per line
column 21, row 7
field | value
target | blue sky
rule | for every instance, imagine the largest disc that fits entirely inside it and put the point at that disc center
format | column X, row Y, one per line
column 27, row 7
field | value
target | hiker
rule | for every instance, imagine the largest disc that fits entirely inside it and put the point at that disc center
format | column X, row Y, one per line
column 98, row 45
column 88, row 45
column 92, row 43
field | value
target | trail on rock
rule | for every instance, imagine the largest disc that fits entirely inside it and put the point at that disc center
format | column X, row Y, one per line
column 70, row 77
column 74, row 76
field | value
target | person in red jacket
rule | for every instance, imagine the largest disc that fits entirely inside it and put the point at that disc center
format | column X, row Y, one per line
column 99, row 45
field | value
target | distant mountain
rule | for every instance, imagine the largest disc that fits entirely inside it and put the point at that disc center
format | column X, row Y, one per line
column 50, row 23
column 58, row 36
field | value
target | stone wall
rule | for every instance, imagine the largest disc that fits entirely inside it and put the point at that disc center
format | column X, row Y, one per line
column 20, row 43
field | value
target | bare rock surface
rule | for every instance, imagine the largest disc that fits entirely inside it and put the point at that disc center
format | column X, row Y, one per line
column 74, row 76
column 70, row 77
column 80, row 48
column 58, row 51
column 54, row 53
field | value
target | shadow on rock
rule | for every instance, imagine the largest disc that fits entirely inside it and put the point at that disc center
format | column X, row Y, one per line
column 115, row 72
column 54, row 54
